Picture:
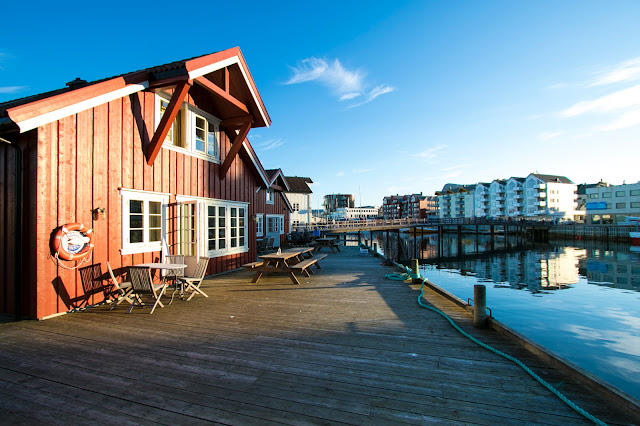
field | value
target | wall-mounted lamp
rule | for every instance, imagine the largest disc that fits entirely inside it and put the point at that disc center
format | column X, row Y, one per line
column 254, row 217
column 99, row 213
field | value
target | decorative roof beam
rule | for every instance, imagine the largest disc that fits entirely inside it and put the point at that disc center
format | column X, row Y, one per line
column 235, row 147
column 234, row 123
column 179, row 94
column 207, row 84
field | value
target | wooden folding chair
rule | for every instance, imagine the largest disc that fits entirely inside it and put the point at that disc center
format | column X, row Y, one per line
column 175, row 273
column 123, row 289
column 193, row 283
column 142, row 285
column 92, row 282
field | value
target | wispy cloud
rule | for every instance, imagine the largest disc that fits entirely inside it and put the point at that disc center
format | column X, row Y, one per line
column 626, row 71
column 556, row 86
column 13, row 89
column 549, row 135
column 628, row 119
column 345, row 84
column 357, row 171
column 340, row 174
column 271, row 144
column 432, row 152
column 621, row 99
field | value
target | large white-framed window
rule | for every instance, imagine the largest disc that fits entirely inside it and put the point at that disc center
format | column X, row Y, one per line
column 275, row 223
column 144, row 217
column 194, row 132
column 225, row 227
column 259, row 225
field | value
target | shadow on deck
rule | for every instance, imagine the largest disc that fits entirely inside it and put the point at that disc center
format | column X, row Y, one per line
column 346, row 346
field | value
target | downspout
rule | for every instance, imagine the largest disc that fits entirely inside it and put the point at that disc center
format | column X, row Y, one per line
column 18, row 237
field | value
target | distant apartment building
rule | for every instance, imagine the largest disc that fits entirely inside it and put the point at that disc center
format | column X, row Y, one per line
column 299, row 196
column 412, row 206
column 456, row 201
column 333, row 202
column 612, row 203
column 536, row 196
column 364, row 213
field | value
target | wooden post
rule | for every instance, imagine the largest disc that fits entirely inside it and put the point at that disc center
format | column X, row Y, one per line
column 479, row 306
column 415, row 267
column 459, row 241
column 375, row 249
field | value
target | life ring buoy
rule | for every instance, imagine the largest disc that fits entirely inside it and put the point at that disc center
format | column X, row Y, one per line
column 73, row 241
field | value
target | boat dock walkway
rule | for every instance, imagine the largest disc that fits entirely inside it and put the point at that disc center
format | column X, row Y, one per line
column 346, row 346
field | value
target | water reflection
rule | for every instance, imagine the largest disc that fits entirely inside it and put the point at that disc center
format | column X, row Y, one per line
column 521, row 264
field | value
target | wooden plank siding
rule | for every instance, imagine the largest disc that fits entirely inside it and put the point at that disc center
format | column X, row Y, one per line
column 80, row 163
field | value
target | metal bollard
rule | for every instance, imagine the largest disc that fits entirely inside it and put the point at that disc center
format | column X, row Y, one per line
column 479, row 306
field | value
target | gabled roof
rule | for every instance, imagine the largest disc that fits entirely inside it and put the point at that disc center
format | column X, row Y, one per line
column 224, row 74
column 551, row 178
column 299, row 185
column 277, row 180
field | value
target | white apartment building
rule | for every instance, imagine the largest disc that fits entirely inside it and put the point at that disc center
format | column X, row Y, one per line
column 351, row 213
column 497, row 198
column 550, row 197
column 456, row 201
column 299, row 197
column 536, row 197
column 481, row 199
column 612, row 203
column 515, row 197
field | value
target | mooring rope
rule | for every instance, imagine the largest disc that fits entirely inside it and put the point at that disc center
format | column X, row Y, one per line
column 408, row 274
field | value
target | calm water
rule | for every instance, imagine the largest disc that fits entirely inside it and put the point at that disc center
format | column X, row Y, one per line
column 579, row 299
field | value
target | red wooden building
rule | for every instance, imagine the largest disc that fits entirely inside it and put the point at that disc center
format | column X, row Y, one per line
column 155, row 161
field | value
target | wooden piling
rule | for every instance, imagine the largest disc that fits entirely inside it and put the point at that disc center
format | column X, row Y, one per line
column 479, row 306
column 415, row 267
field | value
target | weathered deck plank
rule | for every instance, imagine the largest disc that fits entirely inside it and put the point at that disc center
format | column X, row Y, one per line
column 346, row 346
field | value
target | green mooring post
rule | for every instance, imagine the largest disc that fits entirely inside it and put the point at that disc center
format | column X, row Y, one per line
column 479, row 306
column 415, row 268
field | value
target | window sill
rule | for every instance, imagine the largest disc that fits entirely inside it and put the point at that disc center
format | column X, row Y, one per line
column 145, row 249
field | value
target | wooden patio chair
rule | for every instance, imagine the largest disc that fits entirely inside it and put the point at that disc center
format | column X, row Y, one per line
column 142, row 285
column 193, row 283
column 91, row 277
column 262, row 246
column 122, row 290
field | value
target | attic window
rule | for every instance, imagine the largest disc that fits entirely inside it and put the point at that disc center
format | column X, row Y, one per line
column 269, row 196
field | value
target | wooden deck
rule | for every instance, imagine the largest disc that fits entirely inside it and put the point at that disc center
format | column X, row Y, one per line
column 346, row 346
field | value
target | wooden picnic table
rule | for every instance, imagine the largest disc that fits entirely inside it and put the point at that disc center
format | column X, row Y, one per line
column 332, row 243
column 288, row 261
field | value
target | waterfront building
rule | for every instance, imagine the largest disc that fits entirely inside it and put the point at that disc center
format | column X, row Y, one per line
column 481, row 200
column 347, row 213
column 515, row 197
column 536, row 196
column 411, row 206
column 550, row 197
column 155, row 162
column 456, row 201
column 299, row 196
column 612, row 203
column 333, row 202
column 497, row 198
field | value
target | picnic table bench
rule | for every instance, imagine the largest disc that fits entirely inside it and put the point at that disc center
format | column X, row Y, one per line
column 252, row 265
column 305, row 265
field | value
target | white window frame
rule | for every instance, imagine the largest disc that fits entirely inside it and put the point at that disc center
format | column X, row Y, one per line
column 259, row 225
column 203, row 205
column 279, row 224
column 189, row 115
column 270, row 197
column 145, row 246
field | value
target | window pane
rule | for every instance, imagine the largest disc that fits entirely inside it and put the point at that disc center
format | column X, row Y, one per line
column 135, row 221
column 177, row 131
column 154, row 207
column 211, row 210
column 212, row 245
column 135, row 236
column 221, row 211
column 154, row 235
column 155, row 221
column 242, row 242
column 135, row 206
column 212, row 140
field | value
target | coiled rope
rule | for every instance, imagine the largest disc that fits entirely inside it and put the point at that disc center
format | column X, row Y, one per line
column 408, row 274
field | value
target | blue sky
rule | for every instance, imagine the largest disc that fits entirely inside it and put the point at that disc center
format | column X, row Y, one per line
column 379, row 98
